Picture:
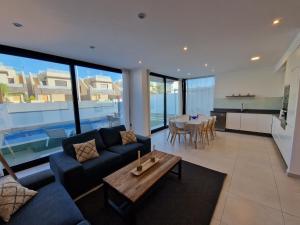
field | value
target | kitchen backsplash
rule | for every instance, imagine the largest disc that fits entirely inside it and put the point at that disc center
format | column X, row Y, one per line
column 249, row 103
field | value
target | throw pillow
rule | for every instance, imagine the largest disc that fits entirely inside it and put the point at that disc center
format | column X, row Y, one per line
column 12, row 197
column 128, row 137
column 86, row 150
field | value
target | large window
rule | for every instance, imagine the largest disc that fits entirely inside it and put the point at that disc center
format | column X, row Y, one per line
column 100, row 98
column 200, row 95
column 164, row 100
column 39, row 106
column 157, row 108
column 172, row 95
column 36, row 110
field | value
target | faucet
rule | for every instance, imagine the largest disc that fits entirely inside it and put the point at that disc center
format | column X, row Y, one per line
column 242, row 107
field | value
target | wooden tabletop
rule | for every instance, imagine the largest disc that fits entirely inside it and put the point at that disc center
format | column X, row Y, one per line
column 133, row 187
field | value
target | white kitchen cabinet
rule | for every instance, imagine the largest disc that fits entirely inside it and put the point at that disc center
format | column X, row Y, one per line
column 264, row 123
column 233, row 121
column 283, row 139
column 261, row 123
column 248, row 122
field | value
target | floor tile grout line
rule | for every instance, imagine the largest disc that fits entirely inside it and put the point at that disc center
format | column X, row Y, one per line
column 297, row 216
column 190, row 153
column 254, row 201
column 277, row 187
column 226, row 198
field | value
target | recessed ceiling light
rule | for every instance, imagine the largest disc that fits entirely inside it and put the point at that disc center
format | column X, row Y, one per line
column 142, row 15
column 185, row 48
column 18, row 24
column 92, row 47
column 255, row 58
column 178, row 70
column 140, row 62
column 276, row 21
column 205, row 64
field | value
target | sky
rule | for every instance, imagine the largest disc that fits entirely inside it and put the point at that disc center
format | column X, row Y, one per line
column 28, row 65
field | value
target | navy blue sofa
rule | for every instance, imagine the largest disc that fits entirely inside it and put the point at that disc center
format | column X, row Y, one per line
column 51, row 206
column 77, row 177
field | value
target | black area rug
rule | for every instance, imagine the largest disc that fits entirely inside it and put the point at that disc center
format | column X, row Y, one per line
column 189, row 201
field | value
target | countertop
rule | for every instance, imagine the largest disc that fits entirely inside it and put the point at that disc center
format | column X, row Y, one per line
column 258, row 111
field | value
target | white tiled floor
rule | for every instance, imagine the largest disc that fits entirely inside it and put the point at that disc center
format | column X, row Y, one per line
column 256, row 191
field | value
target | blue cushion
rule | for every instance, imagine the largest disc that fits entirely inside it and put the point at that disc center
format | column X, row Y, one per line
column 68, row 142
column 51, row 206
column 128, row 152
column 111, row 136
column 96, row 169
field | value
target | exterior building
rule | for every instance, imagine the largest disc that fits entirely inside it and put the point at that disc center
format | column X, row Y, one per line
column 16, row 85
column 55, row 86
column 51, row 86
column 99, row 88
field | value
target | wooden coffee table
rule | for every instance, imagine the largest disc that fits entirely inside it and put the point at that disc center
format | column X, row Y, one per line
column 133, row 188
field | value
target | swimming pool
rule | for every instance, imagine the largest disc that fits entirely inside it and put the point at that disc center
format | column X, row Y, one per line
column 39, row 134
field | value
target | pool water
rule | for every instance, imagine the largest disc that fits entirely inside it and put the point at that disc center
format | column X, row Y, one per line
column 39, row 134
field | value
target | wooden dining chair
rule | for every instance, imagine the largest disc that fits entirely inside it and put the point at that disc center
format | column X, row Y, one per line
column 199, row 134
column 173, row 131
column 177, row 132
column 206, row 130
column 213, row 132
column 169, row 126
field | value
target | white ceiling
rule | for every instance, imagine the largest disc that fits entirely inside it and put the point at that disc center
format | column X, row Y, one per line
column 223, row 33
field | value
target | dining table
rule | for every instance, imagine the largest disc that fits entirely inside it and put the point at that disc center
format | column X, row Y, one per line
column 194, row 123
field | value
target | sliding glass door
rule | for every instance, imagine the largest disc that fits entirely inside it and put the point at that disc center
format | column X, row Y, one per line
column 200, row 95
column 172, row 95
column 164, row 100
column 157, row 102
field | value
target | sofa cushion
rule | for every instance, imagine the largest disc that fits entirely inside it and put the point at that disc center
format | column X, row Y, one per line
column 86, row 151
column 51, row 206
column 128, row 137
column 13, row 197
column 111, row 136
column 128, row 152
column 96, row 169
column 68, row 142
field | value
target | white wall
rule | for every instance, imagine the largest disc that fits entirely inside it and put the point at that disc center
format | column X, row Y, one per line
column 262, row 82
column 139, row 101
column 266, row 84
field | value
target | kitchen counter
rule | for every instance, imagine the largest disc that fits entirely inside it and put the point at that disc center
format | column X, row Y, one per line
column 255, row 111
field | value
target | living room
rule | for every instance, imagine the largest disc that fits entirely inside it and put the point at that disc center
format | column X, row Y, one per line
column 141, row 112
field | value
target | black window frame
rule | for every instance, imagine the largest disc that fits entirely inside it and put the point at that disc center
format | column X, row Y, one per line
column 165, row 77
column 15, row 51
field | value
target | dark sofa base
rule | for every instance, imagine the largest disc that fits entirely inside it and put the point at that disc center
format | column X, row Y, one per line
column 51, row 206
column 78, row 178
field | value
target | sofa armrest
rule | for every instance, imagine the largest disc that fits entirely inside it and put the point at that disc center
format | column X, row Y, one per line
column 146, row 141
column 68, row 172
column 37, row 180
column 143, row 139
column 84, row 222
